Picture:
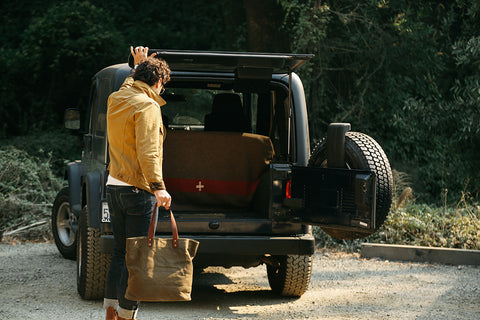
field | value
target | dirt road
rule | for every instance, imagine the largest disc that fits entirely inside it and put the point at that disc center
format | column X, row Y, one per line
column 37, row 283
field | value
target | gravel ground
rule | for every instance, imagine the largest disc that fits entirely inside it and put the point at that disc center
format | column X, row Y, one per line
column 37, row 283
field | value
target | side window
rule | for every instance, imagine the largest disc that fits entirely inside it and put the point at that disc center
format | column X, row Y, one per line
column 270, row 118
column 91, row 112
column 99, row 119
column 280, row 124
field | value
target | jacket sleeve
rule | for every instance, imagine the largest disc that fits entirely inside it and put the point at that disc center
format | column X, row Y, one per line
column 149, row 137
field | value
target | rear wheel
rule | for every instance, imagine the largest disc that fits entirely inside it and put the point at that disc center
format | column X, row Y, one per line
column 64, row 225
column 361, row 152
column 289, row 276
column 92, row 266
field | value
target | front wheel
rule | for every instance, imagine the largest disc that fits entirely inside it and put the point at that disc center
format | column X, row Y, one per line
column 64, row 225
column 289, row 276
column 92, row 265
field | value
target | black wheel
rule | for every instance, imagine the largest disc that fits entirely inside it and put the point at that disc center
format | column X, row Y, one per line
column 92, row 266
column 361, row 152
column 291, row 275
column 64, row 225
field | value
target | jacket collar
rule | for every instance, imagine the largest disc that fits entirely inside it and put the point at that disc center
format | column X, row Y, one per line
column 145, row 88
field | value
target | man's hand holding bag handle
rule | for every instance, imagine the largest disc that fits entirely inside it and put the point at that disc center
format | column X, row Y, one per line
column 160, row 269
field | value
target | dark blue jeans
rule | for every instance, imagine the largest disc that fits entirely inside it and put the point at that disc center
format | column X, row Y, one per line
column 130, row 214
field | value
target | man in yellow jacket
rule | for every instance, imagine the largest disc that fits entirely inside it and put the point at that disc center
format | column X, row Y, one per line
column 135, row 183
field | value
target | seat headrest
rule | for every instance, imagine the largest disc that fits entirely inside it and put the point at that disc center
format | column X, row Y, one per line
column 227, row 114
column 227, row 103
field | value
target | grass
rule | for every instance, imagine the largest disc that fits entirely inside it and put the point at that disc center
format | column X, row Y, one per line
column 457, row 226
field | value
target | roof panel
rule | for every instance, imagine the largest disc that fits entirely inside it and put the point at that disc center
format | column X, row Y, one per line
column 225, row 61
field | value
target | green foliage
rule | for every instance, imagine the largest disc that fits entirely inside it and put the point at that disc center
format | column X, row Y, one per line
column 55, row 147
column 422, row 225
column 27, row 188
column 65, row 46
column 10, row 106
column 49, row 64
column 174, row 24
column 25, row 176
column 31, row 174
column 409, row 223
column 405, row 73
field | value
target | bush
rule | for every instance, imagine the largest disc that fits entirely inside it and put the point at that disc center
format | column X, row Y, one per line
column 421, row 225
column 31, row 174
column 56, row 146
column 27, row 188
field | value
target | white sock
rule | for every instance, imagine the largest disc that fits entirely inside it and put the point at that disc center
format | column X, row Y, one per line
column 126, row 313
column 110, row 303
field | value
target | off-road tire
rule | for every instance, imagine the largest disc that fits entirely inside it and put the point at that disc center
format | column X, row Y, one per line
column 92, row 266
column 361, row 152
column 291, row 275
column 64, row 225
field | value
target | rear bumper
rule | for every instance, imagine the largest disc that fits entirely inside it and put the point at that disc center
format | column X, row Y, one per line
column 241, row 245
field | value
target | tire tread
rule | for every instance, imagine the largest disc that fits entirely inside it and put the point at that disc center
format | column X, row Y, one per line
column 292, row 277
column 94, row 268
column 366, row 153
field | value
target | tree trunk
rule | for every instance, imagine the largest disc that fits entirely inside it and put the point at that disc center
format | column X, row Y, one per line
column 264, row 22
column 235, row 31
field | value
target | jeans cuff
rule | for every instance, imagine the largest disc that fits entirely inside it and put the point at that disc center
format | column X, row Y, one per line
column 126, row 313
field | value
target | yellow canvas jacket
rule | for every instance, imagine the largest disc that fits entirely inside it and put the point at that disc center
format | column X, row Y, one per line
column 135, row 134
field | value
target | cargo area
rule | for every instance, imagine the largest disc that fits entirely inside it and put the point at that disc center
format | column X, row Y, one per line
column 218, row 172
column 218, row 148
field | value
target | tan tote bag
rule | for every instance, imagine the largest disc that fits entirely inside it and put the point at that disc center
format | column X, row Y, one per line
column 160, row 269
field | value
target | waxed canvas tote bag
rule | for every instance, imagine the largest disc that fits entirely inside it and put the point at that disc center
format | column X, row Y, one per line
column 160, row 269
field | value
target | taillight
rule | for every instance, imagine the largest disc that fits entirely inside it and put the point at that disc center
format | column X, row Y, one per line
column 288, row 190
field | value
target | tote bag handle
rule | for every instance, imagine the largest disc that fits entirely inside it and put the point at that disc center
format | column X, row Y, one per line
column 153, row 226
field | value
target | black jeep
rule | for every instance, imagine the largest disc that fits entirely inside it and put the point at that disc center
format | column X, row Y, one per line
column 238, row 165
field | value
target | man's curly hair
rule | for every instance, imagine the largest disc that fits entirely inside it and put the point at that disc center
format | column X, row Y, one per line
column 151, row 70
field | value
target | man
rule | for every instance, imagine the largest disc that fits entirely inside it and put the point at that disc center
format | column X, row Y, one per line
column 135, row 183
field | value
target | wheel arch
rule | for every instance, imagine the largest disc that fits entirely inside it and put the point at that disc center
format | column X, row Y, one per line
column 74, row 173
column 92, row 190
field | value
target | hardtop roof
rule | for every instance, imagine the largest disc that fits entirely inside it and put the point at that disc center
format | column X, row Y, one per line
column 227, row 61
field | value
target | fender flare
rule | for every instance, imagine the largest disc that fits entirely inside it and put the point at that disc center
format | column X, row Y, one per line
column 74, row 173
column 93, row 191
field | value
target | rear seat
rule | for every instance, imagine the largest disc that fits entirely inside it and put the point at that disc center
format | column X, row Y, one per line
column 206, row 170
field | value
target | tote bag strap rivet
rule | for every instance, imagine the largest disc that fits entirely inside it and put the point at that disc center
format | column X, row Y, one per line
column 153, row 225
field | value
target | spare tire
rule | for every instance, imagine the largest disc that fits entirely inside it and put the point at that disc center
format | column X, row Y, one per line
column 361, row 152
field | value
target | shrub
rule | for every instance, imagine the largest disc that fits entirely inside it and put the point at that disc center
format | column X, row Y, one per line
column 55, row 147
column 27, row 188
column 421, row 225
